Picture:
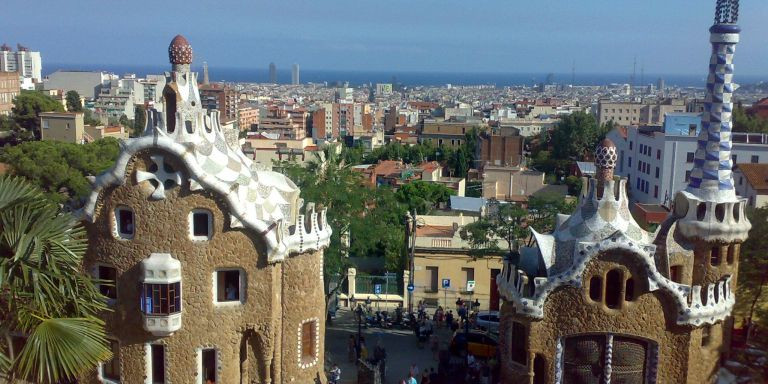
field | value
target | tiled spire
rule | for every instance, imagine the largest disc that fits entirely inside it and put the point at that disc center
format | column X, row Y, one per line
column 711, row 178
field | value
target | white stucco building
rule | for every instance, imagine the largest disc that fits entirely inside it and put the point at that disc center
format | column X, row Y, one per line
column 657, row 162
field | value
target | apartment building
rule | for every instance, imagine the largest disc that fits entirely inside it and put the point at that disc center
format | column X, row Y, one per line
column 449, row 132
column 220, row 97
column 625, row 113
column 499, row 150
column 751, row 183
column 26, row 63
column 441, row 255
column 9, row 89
column 657, row 162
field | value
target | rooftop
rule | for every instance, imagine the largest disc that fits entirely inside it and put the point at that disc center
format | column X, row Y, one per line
column 756, row 174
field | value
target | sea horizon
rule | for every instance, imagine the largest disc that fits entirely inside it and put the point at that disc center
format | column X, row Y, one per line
column 410, row 78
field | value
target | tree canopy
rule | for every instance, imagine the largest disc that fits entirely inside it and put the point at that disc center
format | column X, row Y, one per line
column 743, row 122
column 73, row 101
column 422, row 196
column 60, row 168
column 576, row 135
column 27, row 107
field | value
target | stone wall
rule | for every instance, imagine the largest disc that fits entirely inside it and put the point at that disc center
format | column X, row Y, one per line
column 246, row 335
column 650, row 316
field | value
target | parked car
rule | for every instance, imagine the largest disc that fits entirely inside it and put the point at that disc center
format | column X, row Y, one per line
column 488, row 321
column 478, row 343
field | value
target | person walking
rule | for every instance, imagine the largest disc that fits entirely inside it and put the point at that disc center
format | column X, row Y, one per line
column 335, row 374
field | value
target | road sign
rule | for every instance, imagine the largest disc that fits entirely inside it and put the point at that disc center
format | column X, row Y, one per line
column 446, row 283
column 410, row 287
column 470, row 285
column 377, row 289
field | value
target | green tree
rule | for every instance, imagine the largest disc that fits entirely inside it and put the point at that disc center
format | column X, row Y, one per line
column 743, row 122
column 27, row 107
column 139, row 120
column 503, row 221
column 88, row 118
column 544, row 208
column 73, row 102
column 752, row 293
column 372, row 219
column 422, row 196
column 60, row 168
column 575, row 135
column 46, row 295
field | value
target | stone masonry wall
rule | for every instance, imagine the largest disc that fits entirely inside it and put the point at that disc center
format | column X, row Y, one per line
column 162, row 226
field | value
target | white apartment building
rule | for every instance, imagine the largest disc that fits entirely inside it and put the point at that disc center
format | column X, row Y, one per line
column 657, row 161
column 87, row 83
column 29, row 64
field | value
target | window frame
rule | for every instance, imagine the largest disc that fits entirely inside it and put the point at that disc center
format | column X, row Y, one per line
column 308, row 351
column 191, row 221
column 241, row 287
column 163, row 297
column 150, row 363
column 118, row 227
column 102, row 375
column 96, row 272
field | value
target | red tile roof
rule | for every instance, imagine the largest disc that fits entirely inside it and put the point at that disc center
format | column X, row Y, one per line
column 435, row 231
column 756, row 174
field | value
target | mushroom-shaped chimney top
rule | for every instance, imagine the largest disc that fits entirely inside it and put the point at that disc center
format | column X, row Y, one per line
column 180, row 52
column 605, row 158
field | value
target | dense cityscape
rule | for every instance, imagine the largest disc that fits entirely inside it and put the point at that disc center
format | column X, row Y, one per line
column 173, row 226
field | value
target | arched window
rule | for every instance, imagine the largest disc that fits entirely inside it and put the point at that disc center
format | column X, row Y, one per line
column 613, row 284
column 629, row 289
column 596, row 288
column 584, row 359
column 170, row 109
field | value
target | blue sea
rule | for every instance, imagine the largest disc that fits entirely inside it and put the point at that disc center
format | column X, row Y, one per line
column 261, row 75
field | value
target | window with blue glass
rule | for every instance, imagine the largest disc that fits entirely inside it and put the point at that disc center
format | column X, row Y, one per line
column 161, row 299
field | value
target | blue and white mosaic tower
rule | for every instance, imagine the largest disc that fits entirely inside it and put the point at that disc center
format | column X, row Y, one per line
column 709, row 208
column 711, row 176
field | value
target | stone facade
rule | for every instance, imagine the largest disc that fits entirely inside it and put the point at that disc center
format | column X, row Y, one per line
column 215, row 263
column 600, row 300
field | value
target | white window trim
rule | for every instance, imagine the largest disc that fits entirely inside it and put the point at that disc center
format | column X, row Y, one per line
column 192, row 225
column 199, row 355
column 115, row 223
column 100, row 371
column 302, row 364
column 242, row 286
column 148, row 362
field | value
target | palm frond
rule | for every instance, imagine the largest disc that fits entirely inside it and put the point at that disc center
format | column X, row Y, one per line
column 14, row 190
column 62, row 348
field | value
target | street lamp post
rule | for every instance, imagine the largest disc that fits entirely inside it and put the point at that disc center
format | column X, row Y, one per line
column 359, row 312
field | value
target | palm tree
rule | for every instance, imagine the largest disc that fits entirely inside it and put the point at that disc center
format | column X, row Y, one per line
column 45, row 296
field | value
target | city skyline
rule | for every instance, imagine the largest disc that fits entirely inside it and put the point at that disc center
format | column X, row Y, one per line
column 497, row 38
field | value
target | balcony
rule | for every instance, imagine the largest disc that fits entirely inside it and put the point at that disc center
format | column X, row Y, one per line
column 161, row 294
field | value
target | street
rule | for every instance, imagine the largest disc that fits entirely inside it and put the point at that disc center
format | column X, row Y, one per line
column 400, row 344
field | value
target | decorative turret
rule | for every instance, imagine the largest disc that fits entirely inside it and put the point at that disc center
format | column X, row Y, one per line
column 180, row 54
column 709, row 208
column 605, row 161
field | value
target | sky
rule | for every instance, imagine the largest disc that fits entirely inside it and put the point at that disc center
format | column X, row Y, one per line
column 475, row 36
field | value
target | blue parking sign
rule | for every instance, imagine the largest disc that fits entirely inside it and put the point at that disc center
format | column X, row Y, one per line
column 377, row 289
column 446, row 283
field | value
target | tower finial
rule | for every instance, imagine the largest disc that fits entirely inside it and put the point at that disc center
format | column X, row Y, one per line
column 605, row 162
column 711, row 178
column 727, row 12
